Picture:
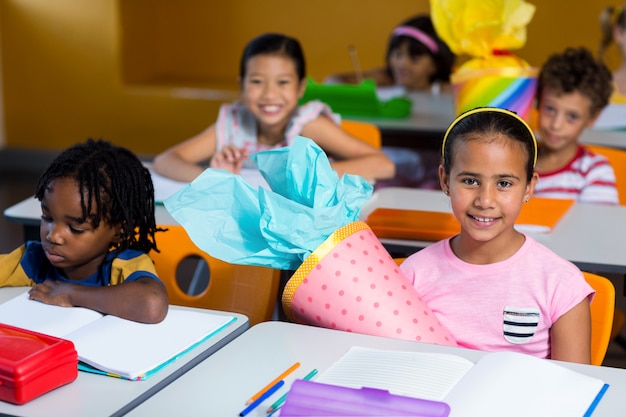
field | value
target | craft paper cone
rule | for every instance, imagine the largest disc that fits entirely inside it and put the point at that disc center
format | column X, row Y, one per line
column 351, row 283
column 510, row 88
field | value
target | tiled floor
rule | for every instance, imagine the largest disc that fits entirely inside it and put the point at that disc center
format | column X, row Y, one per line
column 19, row 180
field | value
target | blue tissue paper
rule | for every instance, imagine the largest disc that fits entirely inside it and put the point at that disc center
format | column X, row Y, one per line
column 278, row 228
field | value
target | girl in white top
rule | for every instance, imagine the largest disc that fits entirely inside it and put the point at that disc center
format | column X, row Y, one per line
column 272, row 79
column 493, row 287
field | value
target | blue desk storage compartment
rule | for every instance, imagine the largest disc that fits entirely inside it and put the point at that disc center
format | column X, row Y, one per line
column 32, row 364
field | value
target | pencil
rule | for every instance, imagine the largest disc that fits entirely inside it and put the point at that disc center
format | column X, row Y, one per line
column 355, row 63
column 274, row 381
column 254, row 404
column 281, row 400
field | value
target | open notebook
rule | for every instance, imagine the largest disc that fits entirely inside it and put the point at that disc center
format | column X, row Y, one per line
column 539, row 215
column 113, row 346
column 499, row 384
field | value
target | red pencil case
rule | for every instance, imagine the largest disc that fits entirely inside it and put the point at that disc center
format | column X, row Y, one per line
column 32, row 364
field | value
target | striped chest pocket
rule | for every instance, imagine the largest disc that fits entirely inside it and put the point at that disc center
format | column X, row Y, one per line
column 520, row 324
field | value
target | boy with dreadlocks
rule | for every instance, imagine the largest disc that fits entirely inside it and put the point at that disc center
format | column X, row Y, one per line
column 97, row 228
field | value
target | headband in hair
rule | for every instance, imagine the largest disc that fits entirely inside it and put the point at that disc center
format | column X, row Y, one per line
column 417, row 34
column 492, row 109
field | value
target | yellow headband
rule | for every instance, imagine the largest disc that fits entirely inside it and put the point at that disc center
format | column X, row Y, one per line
column 492, row 109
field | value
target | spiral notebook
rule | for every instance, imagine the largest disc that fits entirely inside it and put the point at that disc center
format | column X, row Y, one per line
column 539, row 215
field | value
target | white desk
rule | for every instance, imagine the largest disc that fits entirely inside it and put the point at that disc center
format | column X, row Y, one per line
column 430, row 116
column 98, row 395
column 28, row 213
column 591, row 236
column 221, row 384
column 608, row 138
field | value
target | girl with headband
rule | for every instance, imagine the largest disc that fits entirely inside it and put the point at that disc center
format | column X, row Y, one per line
column 416, row 59
column 493, row 287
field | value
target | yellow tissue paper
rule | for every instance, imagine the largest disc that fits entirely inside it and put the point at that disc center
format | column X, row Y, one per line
column 479, row 27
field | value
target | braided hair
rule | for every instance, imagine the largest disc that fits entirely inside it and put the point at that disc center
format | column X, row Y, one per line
column 115, row 188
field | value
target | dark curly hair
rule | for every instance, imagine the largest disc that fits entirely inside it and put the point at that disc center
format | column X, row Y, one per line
column 577, row 70
column 115, row 188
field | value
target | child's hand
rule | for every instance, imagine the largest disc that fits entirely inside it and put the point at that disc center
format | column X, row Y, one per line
column 229, row 158
column 52, row 292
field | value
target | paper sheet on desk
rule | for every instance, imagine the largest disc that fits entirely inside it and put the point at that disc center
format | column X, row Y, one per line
column 165, row 187
column 277, row 227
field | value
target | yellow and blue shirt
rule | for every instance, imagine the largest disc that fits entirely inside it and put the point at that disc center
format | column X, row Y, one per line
column 28, row 265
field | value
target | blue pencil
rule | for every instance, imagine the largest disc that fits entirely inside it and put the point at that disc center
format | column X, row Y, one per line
column 262, row 398
column 281, row 400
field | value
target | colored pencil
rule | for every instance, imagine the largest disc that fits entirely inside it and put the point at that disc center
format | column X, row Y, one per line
column 254, row 404
column 274, row 381
column 281, row 400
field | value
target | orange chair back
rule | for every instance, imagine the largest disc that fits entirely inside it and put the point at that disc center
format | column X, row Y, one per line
column 602, row 311
column 617, row 158
column 367, row 132
column 249, row 290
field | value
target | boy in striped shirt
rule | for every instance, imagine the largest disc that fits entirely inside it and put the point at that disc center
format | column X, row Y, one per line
column 573, row 89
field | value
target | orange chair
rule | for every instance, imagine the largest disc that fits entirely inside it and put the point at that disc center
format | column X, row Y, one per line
column 367, row 132
column 617, row 158
column 602, row 310
column 249, row 290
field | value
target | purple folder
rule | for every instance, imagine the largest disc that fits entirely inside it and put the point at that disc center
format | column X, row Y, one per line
column 308, row 398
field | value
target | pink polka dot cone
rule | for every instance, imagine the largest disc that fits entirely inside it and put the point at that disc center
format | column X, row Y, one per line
column 351, row 283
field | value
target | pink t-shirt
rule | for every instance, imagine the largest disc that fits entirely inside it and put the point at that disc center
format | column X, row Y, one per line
column 508, row 305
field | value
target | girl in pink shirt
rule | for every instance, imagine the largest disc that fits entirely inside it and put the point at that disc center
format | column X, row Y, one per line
column 272, row 79
column 493, row 287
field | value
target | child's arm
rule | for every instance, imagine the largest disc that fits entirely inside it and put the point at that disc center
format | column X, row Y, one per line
column 351, row 155
column 181, row 162
column 570, row 335
column 143, row 300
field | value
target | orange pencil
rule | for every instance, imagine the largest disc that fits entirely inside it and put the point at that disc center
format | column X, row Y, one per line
column 273, row 382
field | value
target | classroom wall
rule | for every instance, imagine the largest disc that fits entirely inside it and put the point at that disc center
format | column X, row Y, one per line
column 72, row 69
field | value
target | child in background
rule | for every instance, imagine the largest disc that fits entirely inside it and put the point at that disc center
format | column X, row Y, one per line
column 97, row 227
column 494, row 288
column 613, row 29
column 272, row 78
column 416, row 60
column 572, row 90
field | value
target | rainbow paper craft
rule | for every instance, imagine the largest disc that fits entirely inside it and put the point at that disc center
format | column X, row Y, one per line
column 511, row 88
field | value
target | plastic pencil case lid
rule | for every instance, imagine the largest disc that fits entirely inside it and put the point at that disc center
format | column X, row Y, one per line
column 308, row 398
column 32, row 364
